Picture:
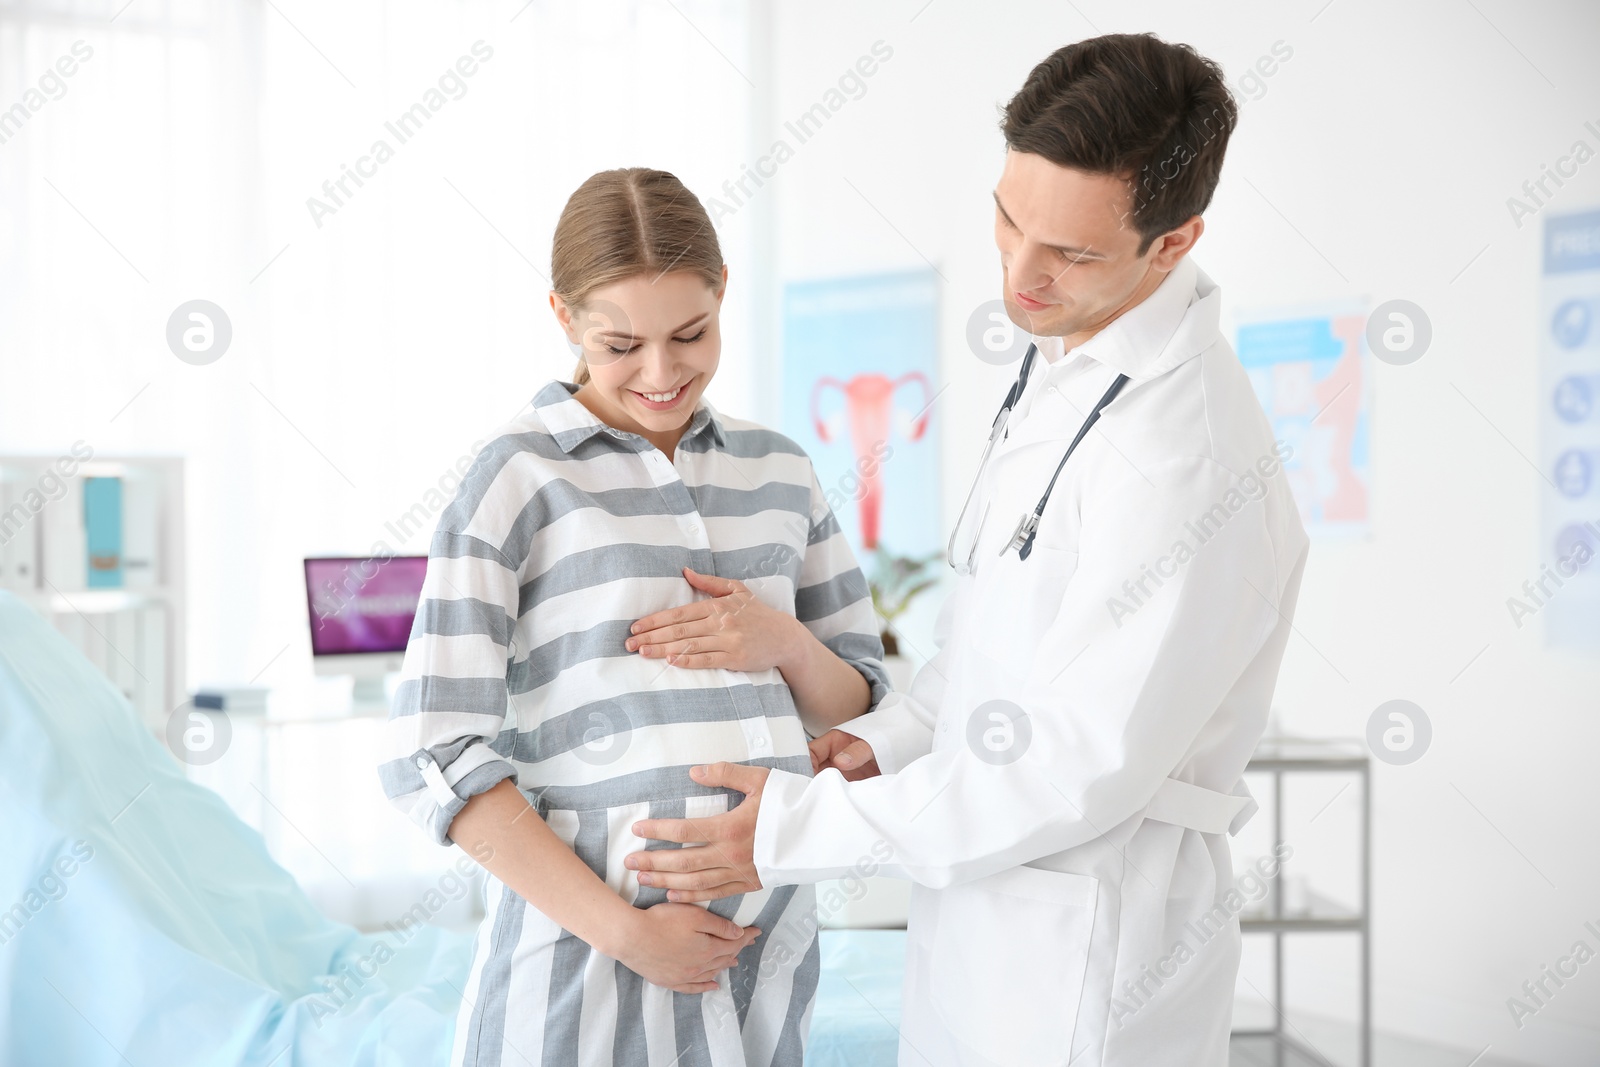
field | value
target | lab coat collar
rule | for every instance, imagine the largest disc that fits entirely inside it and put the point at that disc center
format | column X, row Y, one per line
column 570, row 423
column 1176, row 322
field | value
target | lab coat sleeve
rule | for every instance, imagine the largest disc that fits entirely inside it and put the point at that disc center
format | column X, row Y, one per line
column 1114, row 698
column 900, row 729
column 833, row 601
column 450, row 708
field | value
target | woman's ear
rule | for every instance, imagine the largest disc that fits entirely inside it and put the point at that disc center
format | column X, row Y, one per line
column 723, row 290
column 564, row 316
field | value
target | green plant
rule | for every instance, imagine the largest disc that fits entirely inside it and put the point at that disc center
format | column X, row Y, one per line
column 895, row 581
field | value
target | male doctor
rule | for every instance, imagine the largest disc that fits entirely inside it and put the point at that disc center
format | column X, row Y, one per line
column 1060, row 783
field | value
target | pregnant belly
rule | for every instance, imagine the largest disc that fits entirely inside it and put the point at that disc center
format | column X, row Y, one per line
column 603, row 837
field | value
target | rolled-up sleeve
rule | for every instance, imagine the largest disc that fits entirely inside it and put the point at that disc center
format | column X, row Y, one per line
column 834, row 602
column 443, row 741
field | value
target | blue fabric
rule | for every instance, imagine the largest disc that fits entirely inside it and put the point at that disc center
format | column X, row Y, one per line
column 142, row 923
column 856, row 1020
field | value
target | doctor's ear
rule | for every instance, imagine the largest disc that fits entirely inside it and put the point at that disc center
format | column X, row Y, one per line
column 1176, row 243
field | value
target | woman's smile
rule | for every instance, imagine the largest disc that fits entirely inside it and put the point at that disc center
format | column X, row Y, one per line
column 661, row 401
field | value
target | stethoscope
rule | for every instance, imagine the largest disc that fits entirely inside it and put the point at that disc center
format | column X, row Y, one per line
column 1022, row 538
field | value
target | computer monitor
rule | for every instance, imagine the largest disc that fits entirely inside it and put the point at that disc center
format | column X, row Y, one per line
column 361, row 610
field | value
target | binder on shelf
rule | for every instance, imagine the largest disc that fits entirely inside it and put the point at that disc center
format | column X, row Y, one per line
column 19, row 540
column 102, row 525
column 66, row 554
column 141, row 529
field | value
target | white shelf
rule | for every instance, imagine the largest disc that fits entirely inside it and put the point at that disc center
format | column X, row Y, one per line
column 98, row 601
column 135, row 633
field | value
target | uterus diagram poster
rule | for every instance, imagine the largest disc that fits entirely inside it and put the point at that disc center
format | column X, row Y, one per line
column 1567, row 593
column 860, row 365
column 1311, row 370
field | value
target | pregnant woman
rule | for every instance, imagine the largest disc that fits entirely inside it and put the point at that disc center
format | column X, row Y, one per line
column 627, row 584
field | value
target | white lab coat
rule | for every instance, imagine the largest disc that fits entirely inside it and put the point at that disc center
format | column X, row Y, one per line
column 1074, row 903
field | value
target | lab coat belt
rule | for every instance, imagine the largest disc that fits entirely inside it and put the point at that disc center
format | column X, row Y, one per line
column 1197, row 808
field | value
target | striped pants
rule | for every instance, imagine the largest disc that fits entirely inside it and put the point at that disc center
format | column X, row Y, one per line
column 538, row 995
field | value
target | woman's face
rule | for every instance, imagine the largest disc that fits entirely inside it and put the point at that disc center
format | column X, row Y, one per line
column 652, row 344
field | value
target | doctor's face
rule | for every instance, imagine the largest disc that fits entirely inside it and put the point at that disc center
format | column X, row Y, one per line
column 652, row 343
column 1068, row 248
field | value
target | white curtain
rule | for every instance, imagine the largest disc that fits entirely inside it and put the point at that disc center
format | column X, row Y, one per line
column 374, row 337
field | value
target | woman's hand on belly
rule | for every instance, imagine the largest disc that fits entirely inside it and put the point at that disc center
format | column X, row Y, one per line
column 683, row 947
column 734, row 630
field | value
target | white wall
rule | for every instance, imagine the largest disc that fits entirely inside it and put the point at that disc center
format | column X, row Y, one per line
column 406, row 326
column 1390, row 141
column 369, row 352
column 371, row 346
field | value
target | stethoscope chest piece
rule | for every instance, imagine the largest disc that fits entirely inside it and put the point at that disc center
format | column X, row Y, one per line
column 1022, row 537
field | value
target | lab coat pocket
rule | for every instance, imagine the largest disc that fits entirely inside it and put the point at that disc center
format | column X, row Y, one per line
column 1009, row 957
column 1018, row 599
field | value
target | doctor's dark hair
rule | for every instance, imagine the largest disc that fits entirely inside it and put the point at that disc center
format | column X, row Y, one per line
column 620, row 223
column 1133, row 106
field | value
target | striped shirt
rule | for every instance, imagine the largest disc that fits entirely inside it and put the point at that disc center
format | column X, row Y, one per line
column 564, row 532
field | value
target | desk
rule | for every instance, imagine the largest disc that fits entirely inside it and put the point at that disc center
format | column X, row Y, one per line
column 304, row 773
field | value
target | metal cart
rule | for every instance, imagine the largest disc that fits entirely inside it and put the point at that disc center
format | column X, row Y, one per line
column 1279, row 757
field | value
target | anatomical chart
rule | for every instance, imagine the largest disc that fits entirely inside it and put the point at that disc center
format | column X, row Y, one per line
column 1312, row 373
column 859, row 367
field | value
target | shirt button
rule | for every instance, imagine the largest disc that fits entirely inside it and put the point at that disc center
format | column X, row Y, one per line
column 760, row 742
column 694, row 527
column 422, row 763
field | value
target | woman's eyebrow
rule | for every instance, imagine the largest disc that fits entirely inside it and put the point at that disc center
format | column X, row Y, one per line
column 678, row 329
column 1066, row 250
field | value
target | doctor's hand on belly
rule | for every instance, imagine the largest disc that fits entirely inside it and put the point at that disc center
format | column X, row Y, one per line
column 716, row 859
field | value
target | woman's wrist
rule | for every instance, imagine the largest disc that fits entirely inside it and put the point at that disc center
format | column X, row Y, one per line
column 613, row 929
column 799, row 651
column 827, row 689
